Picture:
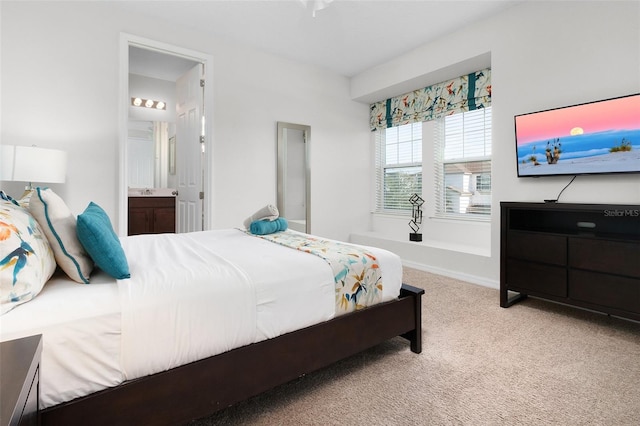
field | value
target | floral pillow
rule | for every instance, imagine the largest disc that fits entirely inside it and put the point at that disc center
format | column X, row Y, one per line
column 26, row 258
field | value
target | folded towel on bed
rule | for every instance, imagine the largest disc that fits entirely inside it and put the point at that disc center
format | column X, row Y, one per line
column 268, row 212
column 264, row 227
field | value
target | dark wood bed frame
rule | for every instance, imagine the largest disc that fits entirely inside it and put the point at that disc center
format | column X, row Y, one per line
column 203, row 387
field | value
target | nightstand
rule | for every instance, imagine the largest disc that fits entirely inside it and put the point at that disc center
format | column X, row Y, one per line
column 20, row 381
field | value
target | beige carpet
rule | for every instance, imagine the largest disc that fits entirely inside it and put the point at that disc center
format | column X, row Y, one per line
column 536, row 363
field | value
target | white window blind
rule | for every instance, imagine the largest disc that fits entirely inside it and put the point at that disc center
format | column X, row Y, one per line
column 398, row 167
column 463, row 165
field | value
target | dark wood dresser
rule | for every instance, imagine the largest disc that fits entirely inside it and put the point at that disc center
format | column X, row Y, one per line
column 586, row 255
column 20, row 381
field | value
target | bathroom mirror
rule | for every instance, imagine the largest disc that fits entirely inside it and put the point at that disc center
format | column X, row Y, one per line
column 294, row 193
column 149, row 154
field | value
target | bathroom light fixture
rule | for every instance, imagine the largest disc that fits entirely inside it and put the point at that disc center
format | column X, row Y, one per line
column 148, row 103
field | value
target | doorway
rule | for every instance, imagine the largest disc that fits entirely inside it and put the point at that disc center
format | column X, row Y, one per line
column 168, row 61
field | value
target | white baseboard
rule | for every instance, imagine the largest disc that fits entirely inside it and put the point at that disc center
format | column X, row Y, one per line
column 453, row 274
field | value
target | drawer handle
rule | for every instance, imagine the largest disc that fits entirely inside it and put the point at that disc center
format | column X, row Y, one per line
column 589, row 225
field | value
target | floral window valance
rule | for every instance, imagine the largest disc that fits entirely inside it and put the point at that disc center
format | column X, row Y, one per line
column 464, row 93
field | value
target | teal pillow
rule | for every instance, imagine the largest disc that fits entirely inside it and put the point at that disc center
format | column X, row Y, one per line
column 100, row 241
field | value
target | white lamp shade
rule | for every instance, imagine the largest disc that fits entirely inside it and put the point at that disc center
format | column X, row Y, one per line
column 32, row 164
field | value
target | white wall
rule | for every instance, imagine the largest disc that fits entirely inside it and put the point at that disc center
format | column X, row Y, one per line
column 543, row 55
column 59, row 79
column 60, row 90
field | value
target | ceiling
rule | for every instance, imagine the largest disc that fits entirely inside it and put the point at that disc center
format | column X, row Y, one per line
column 151, row 63
column 346, row 37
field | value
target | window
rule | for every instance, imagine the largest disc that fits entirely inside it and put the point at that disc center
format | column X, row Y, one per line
column 398, row 167
column 483, row 183
column 463, row 165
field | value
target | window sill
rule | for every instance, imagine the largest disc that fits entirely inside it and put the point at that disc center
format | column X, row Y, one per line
column 440, row 245
column 461, row 218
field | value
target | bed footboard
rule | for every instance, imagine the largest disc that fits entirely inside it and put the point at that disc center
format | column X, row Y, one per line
column 195, row 390
column 414, row 335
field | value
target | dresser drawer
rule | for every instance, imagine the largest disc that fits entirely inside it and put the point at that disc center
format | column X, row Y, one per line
column 536, row 277
column 543, row 248
column 605, row 290
column 614, row 257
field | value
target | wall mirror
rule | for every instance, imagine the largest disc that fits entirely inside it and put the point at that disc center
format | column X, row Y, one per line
column 150, row 154
column 294, row 194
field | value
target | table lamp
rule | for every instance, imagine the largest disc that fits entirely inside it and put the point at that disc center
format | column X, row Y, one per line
column 32, row 164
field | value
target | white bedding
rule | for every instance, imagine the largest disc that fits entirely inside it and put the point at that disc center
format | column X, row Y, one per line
column 190, row 296
column 80, row 325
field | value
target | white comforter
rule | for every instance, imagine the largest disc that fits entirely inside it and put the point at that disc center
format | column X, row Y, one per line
column 190, row 296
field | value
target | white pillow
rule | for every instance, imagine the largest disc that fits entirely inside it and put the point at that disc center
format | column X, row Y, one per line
column 26, row 259
column 59, row 225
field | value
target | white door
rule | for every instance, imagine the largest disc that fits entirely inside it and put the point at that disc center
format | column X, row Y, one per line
column 189, row 150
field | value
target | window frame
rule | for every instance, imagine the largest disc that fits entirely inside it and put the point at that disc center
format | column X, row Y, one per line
column 474, row 165
column 383, row 166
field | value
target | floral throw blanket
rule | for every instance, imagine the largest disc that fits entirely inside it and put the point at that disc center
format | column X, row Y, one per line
column 356, row 271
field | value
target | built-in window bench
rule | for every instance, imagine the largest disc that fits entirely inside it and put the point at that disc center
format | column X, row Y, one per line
column 450, row 259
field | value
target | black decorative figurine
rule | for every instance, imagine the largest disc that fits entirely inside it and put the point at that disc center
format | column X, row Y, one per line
column 416, row 220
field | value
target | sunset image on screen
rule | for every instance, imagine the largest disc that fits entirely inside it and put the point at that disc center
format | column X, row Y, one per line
column 580, row 139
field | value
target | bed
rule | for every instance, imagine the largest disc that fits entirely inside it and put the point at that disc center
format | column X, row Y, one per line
column 205, row 320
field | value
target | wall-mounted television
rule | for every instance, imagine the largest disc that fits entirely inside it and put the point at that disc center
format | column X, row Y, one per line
column 590, row 138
